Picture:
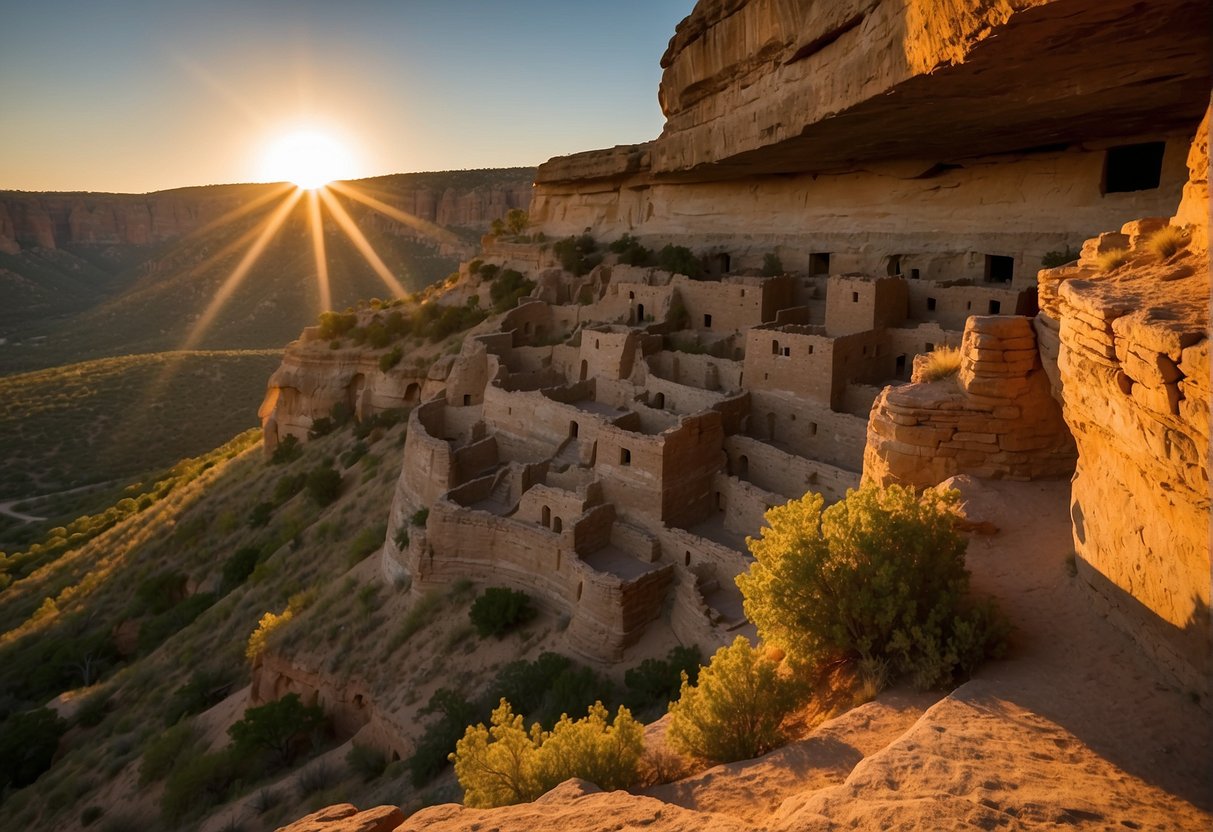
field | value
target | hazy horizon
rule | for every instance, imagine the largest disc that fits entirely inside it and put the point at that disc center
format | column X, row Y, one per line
column 136, row 97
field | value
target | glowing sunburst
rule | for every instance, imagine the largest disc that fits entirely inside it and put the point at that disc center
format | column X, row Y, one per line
column 309, row 158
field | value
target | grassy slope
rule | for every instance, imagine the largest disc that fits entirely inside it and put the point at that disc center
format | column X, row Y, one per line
column 117, row 418
column 192, row 530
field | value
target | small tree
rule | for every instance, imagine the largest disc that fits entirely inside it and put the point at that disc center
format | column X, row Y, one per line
column 737, row 709
column 506, row 764
column 500, row 610
column 282, row 728
column 516, row 221
column 878, row 577
column 324, row 484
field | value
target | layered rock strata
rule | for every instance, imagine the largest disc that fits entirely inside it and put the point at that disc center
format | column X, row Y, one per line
column 995, row 418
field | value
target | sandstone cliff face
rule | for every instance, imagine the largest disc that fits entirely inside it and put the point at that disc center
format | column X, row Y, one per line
column 815, row 85
column 53, row 220
column 995, row 419
column 1132, row 354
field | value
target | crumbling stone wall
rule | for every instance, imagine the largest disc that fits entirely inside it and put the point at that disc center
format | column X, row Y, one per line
column 995, row 418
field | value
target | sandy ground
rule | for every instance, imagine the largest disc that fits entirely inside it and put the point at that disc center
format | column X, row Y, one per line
column 1075, row 729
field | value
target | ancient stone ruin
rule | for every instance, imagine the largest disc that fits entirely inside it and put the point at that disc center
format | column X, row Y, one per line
column 859, row 184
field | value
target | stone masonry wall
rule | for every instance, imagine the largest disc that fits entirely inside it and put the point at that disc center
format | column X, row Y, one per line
column 995, row 418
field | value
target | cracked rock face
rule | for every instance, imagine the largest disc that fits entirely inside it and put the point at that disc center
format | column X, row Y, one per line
column 763, row 86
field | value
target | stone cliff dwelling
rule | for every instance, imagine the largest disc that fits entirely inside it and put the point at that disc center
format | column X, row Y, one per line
column 608, row 444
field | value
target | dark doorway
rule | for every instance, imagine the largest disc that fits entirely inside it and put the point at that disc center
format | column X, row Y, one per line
column 819, row 263
column 999, row 269
column 1133, row 167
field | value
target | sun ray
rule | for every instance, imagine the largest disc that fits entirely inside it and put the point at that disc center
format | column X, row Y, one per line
column 362, row 244
column 322, row 266
column 412, row 220
column 239, row 211
column 238, row 274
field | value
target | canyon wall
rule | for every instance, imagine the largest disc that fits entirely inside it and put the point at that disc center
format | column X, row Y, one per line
column 1131, row 353
column 54, row 220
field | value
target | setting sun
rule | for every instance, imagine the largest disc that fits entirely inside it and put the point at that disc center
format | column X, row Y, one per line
column 308, row 158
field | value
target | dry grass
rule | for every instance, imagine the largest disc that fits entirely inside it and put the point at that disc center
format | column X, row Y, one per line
column 941, row 363
column 1113, row 259
column 1167, row 241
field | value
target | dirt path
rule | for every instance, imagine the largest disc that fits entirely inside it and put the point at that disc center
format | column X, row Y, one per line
column 6, row 508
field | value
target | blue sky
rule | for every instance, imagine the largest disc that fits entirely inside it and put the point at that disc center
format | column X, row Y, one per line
column 120, row 95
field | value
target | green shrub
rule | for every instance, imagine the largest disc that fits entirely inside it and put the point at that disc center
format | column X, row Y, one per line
column 578, row 255
column 324, row 485
column 550, row 686
column 238, row 567
column 261, row 515
column 516, row 221
column 389, row 360
column 499, row 611
column 772, row 266
column 28, row 742
column 506, row 764
column 320, row 427
column 508, row 288
column 202, row 781
column 879, row 577
column 432, row 751
column 164, row 750
column 336, row 324
column 489, row 271
column 420, row 516
column 679, row 260
column 377, row 335
column 288, row 450
column 401, row 538
column 474, row 266
column 656, row 681
column 366, row 762
column 737, row 708
column 1053, row 259
column 631, row 252
column 283, row 729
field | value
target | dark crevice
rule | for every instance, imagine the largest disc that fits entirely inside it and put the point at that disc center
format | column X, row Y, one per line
column 817, row 44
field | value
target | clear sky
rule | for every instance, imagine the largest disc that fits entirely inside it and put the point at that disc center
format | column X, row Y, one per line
column 134, row 95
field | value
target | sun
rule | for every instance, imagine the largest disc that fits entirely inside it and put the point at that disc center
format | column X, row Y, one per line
column 309, row 158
